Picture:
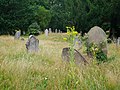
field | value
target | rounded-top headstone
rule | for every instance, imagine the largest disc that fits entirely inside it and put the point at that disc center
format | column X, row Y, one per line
column 97, row 35
column 17, row 35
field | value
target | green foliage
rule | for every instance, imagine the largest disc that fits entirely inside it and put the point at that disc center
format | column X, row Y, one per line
column 43, row 17
column 34, row 28
column 70, row 39
column 83, row 14
column 97, row 52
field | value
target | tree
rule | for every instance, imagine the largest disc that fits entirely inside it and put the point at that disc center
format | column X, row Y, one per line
column 14, row 14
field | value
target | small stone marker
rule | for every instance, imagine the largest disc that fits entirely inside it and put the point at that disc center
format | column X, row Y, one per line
column 77, row 43
column 97, row 35
column 32, row 44
column 118, row 41
column 79, row 59
column 55, row 30
column 23, row 32
column 46, row 32
column 50, row 30
column 59, row 31
column 17, row 35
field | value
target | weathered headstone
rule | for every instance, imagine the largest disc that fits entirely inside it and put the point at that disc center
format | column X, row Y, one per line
column 77, row 43
column 118, row 41
column 59, row 31
column 17, row 35
column 55, row 30
column 97, row 36
column 32, row 44
column 46, row 32
column 79, row 59
column 50, row 30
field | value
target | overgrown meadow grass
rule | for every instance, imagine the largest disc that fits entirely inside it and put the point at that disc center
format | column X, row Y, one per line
column 45, row 70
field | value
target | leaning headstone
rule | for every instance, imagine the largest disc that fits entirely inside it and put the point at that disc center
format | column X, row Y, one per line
column 32, row 44
column 77, row 43
column 97, row 36
column 79, row 59
column 50, row 31
column 46, row 32
column 17, row 35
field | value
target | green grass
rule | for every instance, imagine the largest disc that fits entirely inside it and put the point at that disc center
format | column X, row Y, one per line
column 46, row 70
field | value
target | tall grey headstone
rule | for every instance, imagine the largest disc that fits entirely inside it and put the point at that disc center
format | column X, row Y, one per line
column 79, row 59
column 32, row 44
column 17, row 35
column 46, row 32
column 97, row 35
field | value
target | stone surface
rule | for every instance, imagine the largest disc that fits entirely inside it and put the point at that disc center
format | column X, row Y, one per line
column 97, row 35
column 17, row 35
column 79, row 59
column 118, row 41
column 59, row 31
column 50, row 30
column 77, row 43
column 32, row 44
column 56, row 31
column 46, row 32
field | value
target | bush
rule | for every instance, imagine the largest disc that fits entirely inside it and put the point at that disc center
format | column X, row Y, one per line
column 34, row 29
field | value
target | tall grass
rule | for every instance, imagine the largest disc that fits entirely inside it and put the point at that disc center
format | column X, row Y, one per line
column 45, row 70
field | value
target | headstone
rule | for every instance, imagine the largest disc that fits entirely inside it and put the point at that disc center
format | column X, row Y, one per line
column 79, row 59
column 50, row 31
column 77, row 43
column 32, row 44
column 59, row 31
column 118, row 41
column 96, row 35
column 23, row 32
column 55, row 30
column 17, row 35
column 46, row 32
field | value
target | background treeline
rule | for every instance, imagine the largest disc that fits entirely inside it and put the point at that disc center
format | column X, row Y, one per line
column 83, row 14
